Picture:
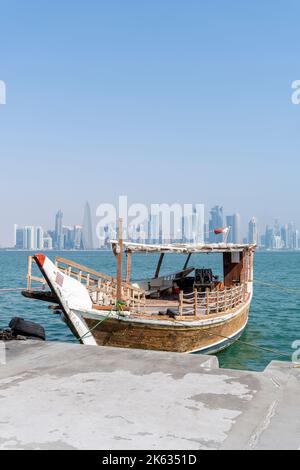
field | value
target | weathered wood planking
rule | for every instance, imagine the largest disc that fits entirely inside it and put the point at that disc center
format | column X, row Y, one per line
column 177, row 338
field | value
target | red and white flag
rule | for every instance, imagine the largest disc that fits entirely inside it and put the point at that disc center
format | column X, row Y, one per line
column 219, row 231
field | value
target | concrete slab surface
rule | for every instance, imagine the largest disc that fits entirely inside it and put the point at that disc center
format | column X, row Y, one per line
column 68, row 396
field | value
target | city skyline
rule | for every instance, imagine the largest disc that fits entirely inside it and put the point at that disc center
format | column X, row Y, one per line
column 195, row 229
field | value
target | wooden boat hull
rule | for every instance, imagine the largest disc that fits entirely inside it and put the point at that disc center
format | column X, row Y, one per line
column 98, row 325
column 207, row 339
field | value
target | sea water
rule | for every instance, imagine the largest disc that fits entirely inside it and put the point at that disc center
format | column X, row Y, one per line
column 274, row 318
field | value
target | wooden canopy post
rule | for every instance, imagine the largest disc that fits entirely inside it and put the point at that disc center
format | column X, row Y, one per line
column 120, row 261
column 128, row 267
column 29, row 273
column 159, row 265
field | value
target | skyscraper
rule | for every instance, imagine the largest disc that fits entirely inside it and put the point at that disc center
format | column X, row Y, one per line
column 29, row 238
column 87, row 229
column 48, row 245
column 153, row 230
column 59, row 236
column 253, row 231
column 216, row 221
column 39, row 238
column 269, row 237
column 19, row 238
column 198, row 227
column 290, row 235
column 234, row 222
column 77, row 237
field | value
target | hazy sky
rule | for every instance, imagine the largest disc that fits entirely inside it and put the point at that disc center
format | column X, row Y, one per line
column 165, row 101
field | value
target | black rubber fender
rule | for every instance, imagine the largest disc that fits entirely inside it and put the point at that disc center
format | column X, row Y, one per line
column 21, row 327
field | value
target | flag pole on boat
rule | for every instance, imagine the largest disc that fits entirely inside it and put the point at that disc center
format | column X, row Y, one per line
column 223, row 231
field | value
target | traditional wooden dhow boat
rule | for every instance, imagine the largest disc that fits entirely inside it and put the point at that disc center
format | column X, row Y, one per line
column 188, row 311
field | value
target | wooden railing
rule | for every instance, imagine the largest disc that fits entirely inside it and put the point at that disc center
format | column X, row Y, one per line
column 31, row 277
column 211, row 302
column 101, row 287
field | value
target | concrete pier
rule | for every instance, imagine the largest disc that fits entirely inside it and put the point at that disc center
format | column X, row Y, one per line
column 68, row 396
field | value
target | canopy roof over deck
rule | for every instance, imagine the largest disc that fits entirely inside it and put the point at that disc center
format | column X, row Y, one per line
column 184, row 248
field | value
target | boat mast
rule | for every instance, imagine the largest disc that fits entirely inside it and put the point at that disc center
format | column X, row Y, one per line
column 119, row 261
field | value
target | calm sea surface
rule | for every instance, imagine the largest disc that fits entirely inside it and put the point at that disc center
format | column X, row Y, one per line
column 274, row 319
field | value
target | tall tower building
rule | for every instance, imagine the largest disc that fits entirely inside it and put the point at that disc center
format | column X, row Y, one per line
column 20, row 238
column 39, row 238
column 253, row 231
column 153, row 230
column 77, row 237
column 87, row 229
column 234, row 222
column 290, row 235
column 269, row 237
column 29, row 238
column 59, row 235
column 198, row 224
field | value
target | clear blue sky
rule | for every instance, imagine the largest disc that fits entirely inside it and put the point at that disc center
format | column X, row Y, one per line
column 164, row 101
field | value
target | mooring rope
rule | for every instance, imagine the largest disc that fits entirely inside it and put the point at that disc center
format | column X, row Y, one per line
column 290, row 290
column 17, row 289
column 272, row 351
column 4, row 291
column 119, row 308
column 94, row 327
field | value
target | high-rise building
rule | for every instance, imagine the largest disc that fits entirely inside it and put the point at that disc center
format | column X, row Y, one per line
column 19, row 238
column 68, row 233
column 277, row 228
column 284, row 236
column 48, row 244
column 277, row 243
column 153, row 230
column 198, row 224
column 39, row 238
column 29, row 238
column 269, row 237
column 87, row 229
column 290, row 236
column 216, row 221
column 253, row 236
column 186, row 228
column 59, row 236
column 234, row 223
column 206, row 232
column 77, row 237
column 296, row 240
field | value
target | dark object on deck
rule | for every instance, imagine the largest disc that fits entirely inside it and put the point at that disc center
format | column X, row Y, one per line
column 170, row 313
column 203, row 279
column 21, row 327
